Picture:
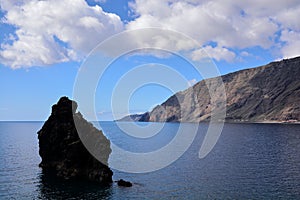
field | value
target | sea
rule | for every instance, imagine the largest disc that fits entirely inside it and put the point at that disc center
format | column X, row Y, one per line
column 248, row 161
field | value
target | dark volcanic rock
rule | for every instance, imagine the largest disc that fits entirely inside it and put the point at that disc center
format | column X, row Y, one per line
column 62, row 151
column 123, row 183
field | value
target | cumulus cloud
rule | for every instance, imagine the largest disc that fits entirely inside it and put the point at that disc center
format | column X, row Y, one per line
column 230, row 24
column 291, row 48
column 245, row 54
column 49, row 32
column 218, row 53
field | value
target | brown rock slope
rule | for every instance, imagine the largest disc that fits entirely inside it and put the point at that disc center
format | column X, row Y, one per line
column 266, row 93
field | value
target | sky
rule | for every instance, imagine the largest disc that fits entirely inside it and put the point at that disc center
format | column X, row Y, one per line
column 44, row 45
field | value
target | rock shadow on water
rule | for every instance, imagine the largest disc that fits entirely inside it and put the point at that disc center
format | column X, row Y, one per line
column 52, row 187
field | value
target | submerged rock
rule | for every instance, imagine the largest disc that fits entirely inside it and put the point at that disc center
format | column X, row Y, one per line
column 123, row 183
column 63, row 152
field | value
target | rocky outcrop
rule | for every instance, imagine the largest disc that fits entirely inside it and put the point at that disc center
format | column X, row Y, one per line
column 63, row 152
column 266, row 93
column 136, row 117
column 123, row 183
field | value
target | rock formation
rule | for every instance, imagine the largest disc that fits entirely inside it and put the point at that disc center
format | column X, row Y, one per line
column 266, row 93
column 136, row 117
column 123, row 183
column 63, row 152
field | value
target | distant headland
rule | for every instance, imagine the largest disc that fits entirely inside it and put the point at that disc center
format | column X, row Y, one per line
column 265, row 94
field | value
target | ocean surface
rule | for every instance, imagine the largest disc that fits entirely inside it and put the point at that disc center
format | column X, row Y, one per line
column 249, row 161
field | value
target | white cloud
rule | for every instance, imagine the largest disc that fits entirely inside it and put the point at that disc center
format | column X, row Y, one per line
column 230, row 24
column 292, row 43
column 54, row 31
column 245, row 54
column 211, row 20
column 289, row 17
column 192, row 82
column 217, row 53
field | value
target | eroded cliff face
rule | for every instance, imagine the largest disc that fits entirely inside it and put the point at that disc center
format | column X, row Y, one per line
column 63, row 152
column 267, row 93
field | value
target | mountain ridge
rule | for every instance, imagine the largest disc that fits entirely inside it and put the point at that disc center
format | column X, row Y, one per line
column 268, row 93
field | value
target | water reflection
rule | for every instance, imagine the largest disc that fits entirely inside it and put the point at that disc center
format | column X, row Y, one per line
column 51, row 187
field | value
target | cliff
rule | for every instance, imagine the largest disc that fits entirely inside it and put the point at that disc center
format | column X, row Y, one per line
column 266, row 93
column 136, row 117
column 62, row 151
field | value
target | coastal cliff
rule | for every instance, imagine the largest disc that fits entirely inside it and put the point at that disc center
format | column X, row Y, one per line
column 63, row 152
column 269, row 93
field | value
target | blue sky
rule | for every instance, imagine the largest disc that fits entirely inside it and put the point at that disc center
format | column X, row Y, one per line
column 44, row 43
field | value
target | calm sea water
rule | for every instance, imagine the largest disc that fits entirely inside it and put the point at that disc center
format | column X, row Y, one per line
column 249, row 161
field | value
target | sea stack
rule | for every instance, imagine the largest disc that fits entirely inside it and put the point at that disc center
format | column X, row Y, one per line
column 62, row 151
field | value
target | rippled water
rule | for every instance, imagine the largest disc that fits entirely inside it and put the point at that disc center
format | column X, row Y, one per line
column 250, row 161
